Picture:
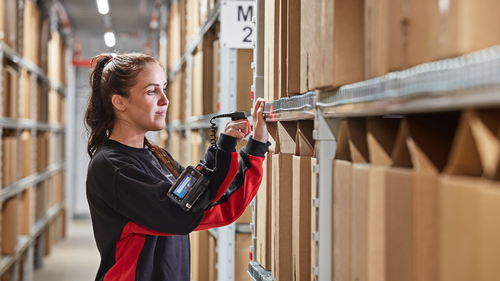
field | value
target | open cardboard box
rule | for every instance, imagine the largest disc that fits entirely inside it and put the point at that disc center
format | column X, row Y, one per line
column 469, row 229
column 264, row 205
column 381, row 138
column 281, row 239
column 341, row 207
column 302, row 202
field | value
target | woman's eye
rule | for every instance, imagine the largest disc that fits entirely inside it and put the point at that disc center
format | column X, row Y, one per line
column 151, row 92
column 165, row 89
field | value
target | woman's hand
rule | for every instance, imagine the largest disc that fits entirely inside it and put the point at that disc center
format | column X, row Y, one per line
column 239, row 129
column 259, row 124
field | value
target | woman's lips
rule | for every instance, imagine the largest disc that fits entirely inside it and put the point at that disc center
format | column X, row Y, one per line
column 162, row 113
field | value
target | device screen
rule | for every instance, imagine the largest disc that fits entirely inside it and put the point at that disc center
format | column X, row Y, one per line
column 184, row 186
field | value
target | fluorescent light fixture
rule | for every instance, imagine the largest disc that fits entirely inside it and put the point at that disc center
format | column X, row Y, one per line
column 102, row 6
column 109, row 39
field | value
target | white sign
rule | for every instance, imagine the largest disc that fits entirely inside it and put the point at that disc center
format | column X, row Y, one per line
column 236, row 26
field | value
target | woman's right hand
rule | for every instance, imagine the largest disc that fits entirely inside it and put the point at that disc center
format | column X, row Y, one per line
column 239, row 129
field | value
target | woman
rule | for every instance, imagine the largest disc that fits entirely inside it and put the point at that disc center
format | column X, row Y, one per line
column 140, row 233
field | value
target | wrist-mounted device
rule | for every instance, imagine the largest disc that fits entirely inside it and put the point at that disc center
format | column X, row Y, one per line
column 193, row 182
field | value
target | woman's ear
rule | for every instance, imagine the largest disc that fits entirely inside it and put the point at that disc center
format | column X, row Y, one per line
column 118, row 102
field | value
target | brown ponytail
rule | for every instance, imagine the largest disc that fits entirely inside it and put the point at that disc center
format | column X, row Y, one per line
column 160, row 155
column 111, row 75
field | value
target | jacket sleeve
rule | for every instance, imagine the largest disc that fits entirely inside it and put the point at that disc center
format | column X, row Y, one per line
column 241, row 189
column 140, row 197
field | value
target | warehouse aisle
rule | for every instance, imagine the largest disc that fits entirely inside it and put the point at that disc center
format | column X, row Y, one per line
column 73, row 259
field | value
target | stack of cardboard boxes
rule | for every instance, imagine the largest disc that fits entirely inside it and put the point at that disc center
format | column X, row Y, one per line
column 321, row 44
column 37, row 44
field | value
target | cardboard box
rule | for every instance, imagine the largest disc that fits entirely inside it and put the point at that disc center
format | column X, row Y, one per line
column 341, row 60
column 462, row 211
column 196, row 147
column 10, row 228
column 202, row 78
column 9, row 157
column 193, row 17
column 341, row 207
column 463, row 26
column 58, row 188
column 412, row 203
column 381, row 136
column 244, row 80
column 216, row 76
column 10, row 92
column 6, row 158
column 174, row 41
column 293, row 45
column 10, row 24
column 26, row 144
column 271, row 53
column 174, row 147
column 26, row 211
column 212, row 258
column 54, row 113
column 281, row 241
column 265, row 205
column 489, row 233
column 42, row 157
column 55, row 58
column 24, row 94
column 39, row 202
column 309, row 44
column 243, row 241
column 302, row 201
column 376, row 38
column 199, row 255
column 358, row 146
column 177, row 96
column 208, row 66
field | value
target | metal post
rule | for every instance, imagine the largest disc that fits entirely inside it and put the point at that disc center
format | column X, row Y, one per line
column 325, row 133
column 70, row 134
column 227, row 100
column 189, row 106
column 258, row 92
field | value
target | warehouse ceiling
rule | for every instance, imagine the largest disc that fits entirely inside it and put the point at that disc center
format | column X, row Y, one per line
column 128, row 19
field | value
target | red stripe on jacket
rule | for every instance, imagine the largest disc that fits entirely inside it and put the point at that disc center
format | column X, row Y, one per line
column 233, row 169
column 228, row 212
column 128, row 249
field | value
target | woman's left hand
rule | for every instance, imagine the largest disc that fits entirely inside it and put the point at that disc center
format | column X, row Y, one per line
column 259, row 124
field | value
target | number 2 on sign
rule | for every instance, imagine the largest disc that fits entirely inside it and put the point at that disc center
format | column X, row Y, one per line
column 250, row 33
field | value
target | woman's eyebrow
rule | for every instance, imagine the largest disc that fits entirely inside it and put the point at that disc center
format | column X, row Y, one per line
column 156, row 85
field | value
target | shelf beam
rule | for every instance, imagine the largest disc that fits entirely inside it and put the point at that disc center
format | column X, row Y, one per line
column 19, row 186
column 26, row 241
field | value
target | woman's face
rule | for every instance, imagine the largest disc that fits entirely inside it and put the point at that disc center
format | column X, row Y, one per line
column 147, row 105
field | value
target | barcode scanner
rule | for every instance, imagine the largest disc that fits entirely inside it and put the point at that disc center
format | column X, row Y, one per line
column 192, row 183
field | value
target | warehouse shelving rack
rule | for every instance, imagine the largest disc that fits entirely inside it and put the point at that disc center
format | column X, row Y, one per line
column 26, row 244
column 225, row 236
column 469, row 81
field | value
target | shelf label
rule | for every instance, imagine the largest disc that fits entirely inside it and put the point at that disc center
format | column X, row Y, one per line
column 236, row 26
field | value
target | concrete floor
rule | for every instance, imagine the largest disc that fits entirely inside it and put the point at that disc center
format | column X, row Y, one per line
column 73, row 259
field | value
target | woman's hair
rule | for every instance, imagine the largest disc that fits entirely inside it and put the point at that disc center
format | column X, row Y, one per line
column 112, row 75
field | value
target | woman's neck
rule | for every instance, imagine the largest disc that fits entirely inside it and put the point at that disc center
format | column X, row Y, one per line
column 127, row 136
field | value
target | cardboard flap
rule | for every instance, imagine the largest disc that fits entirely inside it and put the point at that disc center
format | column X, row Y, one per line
column 304, row 142
column 285, row 139
column 343, row 152
column 485, row 125
column 357, row 140
column 272, row 128
column 401, row 155
column 464, row 156
column 430, row 139
column 381, row 138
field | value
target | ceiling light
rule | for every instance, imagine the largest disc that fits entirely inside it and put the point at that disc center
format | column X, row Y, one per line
column 109, row 39
column 102, row 6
